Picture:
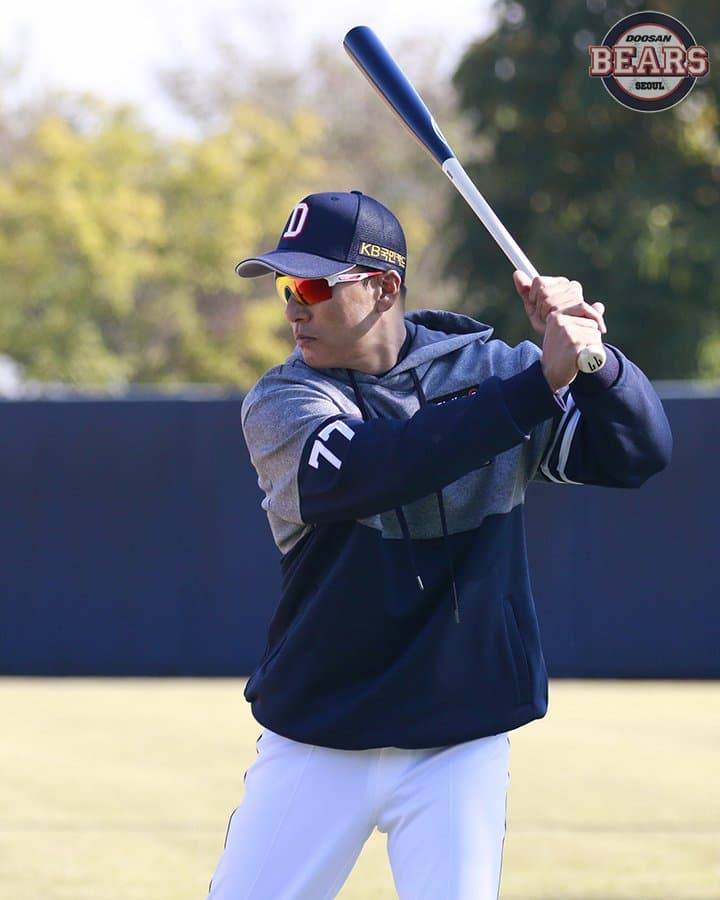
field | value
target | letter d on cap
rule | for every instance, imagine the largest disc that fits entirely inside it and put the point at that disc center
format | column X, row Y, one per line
column 297, row 220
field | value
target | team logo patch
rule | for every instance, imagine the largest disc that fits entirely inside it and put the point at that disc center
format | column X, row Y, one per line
column 297, row 220
column 648, row 61
column 463, row 392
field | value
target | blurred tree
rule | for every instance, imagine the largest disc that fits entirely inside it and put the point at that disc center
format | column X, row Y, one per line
column 221, row 192
column 79, row 227
column 117, row 249
column 118, row 246
column 622, row 201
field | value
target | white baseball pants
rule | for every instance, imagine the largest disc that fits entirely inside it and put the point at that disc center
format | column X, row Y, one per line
column 307, row 811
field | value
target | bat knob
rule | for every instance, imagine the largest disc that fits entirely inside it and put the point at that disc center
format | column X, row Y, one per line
column 590, row 359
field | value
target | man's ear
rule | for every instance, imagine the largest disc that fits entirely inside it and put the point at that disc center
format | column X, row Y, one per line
column 390, row 288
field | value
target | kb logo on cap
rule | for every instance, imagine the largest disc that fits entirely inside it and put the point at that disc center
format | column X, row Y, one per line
column 648, row 61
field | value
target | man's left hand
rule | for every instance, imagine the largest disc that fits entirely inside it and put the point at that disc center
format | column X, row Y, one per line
column 544, row 294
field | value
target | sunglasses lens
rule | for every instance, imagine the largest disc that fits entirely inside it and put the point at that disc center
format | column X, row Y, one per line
column 306, row 290
column 314, row 290
column 284, row 287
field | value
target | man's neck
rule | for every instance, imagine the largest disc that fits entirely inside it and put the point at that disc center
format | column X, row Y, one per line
column 383, row 357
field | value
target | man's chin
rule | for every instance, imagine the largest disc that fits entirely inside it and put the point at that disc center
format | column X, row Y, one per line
column 311, row 354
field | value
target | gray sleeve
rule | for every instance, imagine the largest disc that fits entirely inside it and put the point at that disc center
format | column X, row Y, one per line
column 277, row 419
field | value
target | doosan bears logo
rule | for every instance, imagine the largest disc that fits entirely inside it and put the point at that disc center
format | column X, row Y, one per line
column 648, row 61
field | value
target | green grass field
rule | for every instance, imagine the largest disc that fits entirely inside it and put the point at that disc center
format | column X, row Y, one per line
column 121, row 790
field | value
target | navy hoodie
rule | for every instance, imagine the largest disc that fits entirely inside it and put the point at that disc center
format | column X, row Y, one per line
column 406, row 617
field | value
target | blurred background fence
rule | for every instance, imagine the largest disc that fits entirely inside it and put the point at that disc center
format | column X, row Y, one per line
column 133, row 543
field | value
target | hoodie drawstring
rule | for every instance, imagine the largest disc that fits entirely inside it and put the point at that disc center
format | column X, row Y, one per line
column 441, row 507
column 399, row 510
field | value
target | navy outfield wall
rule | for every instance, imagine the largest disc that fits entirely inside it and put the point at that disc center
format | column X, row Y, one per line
column 132, row 542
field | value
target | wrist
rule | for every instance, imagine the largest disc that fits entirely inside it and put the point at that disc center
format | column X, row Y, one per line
column 551, row 381
column 596, row 382
column 530, row 399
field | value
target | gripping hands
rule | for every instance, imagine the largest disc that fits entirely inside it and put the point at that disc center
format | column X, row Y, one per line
column 568, row 325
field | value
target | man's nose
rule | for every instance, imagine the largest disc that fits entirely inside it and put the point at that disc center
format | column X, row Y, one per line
column 295, row 311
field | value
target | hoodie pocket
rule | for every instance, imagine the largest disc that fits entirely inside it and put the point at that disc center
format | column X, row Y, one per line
column 521, row 667
column 262, row 666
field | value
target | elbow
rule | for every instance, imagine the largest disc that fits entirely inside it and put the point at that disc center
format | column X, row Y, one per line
column 660, row 452
column 645, row 472
column 655, row 457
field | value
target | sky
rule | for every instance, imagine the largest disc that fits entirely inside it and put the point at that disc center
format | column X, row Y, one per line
column 115, row 50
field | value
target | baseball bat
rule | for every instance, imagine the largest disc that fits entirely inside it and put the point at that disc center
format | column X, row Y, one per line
column 377, row 65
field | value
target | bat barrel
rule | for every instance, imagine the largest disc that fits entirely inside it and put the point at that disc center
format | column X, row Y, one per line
column 370, row 55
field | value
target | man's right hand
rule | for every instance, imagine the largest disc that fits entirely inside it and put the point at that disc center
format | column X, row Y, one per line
column 565, row 336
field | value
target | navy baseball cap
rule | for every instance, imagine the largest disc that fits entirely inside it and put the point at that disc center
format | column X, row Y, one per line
column 330, row 233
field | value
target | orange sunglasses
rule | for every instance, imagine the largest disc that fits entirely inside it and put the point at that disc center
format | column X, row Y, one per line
column 314, row 290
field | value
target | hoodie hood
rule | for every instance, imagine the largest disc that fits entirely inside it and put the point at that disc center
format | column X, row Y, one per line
column 435, row 333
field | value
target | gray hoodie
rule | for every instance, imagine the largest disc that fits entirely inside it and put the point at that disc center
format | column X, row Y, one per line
column 396, row 500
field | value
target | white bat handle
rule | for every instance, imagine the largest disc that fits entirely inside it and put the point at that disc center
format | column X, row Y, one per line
column 590, row 359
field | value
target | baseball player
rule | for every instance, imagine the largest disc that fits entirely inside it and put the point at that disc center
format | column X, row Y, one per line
column 394, row 450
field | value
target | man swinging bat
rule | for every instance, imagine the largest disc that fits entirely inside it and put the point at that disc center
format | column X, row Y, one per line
column 394, row 450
